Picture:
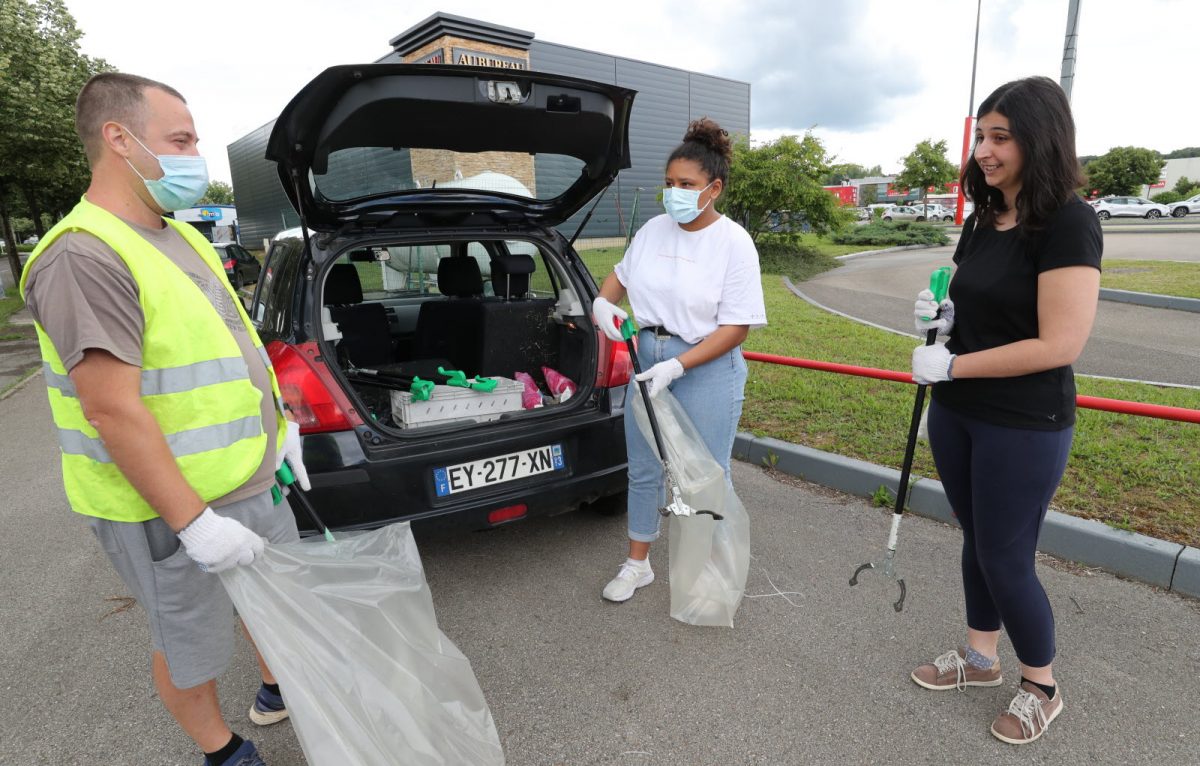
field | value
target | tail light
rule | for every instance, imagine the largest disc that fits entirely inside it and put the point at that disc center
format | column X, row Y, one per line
column 310, row 390
column 228, row 264
column 615, row 365
column 507, row 513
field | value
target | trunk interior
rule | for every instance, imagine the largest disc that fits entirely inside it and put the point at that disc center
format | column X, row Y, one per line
column 447, row 334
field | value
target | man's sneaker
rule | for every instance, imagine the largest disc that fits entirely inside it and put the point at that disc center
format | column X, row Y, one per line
column 246, row 755
column 1028, row 715
column 631, row 576
column 952, row 671
column 268, row 708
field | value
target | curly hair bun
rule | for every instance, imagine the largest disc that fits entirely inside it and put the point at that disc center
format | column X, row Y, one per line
column 708, row 133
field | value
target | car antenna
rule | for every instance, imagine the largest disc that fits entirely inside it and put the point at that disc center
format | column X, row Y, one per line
column 588, row 217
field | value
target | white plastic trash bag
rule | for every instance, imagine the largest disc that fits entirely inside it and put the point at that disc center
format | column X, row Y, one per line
column 709, row 559
column 349, row 630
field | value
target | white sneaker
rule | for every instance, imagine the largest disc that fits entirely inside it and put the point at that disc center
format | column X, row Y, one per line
column 631, row 576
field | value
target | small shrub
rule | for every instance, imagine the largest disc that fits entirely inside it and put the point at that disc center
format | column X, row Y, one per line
column 892, row 233
column 1167, row 197
column 784, row 254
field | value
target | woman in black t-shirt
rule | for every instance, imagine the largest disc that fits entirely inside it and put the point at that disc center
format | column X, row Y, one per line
column 1021, row 306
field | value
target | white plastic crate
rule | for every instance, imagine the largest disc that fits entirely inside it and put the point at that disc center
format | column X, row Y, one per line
column 448, row 403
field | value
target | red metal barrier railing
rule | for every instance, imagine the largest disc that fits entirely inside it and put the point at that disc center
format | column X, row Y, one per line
column 1121, row 406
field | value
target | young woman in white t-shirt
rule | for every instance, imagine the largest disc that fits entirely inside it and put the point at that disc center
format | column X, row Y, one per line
column 693, row 282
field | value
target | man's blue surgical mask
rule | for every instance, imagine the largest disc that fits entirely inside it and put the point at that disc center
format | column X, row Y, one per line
column 184, row 180
column 681, row 205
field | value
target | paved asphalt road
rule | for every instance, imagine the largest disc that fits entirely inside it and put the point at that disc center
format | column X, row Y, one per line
column 573, row 680
column 1127, row 341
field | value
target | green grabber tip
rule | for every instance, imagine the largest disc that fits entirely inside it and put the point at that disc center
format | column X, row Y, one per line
column 421, row 389
column 486, row 385
column 939, row 285
column 286, row 478
column 628, row 329
column 456, row 377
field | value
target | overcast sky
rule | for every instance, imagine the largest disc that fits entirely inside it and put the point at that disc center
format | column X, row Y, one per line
column 870, row 77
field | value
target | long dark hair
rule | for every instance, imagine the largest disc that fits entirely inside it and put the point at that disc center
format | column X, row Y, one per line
column 1039, row 119
column 709, row 145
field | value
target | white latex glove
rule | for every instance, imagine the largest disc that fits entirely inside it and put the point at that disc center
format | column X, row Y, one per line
column 294, row 455
column 931, row 364
column 927, row 306
column 662, row 375
column 608, row 316
column 218, row 542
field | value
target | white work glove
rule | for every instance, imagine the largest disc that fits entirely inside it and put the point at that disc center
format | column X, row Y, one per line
column 294, row 455
column 608, row 316
column 218, row 542
column 662, row 375
column 931, row 364
column 927, row 306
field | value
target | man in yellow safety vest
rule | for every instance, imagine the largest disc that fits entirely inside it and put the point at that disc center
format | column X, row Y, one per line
column 168, row 415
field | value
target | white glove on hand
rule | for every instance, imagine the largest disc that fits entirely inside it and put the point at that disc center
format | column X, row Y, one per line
column 931, row 364
column 608, row 316
column 662, row 375
column 217, row 542
column 926, row 306
column 294, row 456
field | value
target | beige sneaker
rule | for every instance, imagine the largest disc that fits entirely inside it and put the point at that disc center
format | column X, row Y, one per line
column 1028, row 715
column 952, row 671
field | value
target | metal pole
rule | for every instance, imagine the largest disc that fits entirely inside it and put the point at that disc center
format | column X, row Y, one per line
column 1067, row 78
column 958, row 212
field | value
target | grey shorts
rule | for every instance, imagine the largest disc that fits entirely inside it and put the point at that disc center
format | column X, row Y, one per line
column 191, row 616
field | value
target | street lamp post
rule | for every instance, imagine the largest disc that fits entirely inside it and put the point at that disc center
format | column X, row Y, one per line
column 958, row 212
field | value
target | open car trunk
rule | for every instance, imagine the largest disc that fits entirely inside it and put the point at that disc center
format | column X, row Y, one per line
column 452, row 333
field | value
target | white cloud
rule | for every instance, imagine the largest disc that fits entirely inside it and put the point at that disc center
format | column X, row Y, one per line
column 874, row 76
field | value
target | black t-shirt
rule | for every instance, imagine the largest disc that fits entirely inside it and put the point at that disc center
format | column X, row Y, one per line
column 995, row 294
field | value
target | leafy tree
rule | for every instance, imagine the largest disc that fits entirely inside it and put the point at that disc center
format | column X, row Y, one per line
column 868, row 195
column 1123, row 169
column 43, row 170
column 1178, row 154
column 219, row 193
column 784, row 175
column 1185, row 187
column 926, row 166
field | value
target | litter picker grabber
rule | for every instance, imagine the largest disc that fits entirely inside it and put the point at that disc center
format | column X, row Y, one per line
column 285, row 478
column 676, row 506
column 939, row 283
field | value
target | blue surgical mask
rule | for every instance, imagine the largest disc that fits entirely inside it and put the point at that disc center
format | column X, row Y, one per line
column 184, row 180
column 680, row 204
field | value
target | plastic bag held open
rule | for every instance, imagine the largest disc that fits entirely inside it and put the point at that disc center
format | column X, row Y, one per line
column 349, row 630
column 709, row 559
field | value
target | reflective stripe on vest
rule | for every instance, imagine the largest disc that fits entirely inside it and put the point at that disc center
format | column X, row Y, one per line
column 169, row 380
column 181, row 443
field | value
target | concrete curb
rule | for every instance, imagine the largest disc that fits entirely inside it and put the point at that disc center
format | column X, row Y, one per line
column 1139, row 557
column 1153, row 300
column 897, row 249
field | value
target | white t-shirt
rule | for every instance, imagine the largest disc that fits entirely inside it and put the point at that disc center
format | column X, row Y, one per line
column 692, row 281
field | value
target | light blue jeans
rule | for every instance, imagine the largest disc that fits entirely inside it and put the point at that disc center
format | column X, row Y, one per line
column 712, row 395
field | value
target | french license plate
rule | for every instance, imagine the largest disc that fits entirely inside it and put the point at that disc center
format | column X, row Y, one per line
column 497, row 470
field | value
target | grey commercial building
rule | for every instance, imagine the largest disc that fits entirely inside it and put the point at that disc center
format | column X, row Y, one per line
column 668, row 99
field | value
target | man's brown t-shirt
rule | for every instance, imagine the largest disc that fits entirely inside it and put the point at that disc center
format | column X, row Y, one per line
column 84, row 296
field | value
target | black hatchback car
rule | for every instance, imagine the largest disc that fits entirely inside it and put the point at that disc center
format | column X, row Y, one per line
column 429, row 325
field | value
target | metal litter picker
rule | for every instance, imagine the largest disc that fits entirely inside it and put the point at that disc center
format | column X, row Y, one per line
column 939, row 283
column 675, row 505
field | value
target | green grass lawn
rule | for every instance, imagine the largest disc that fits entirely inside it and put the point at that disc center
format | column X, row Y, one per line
column 1130, row 472
column 1162, row 277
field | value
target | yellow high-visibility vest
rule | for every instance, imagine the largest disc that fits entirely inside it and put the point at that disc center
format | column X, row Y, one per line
column 195, row 381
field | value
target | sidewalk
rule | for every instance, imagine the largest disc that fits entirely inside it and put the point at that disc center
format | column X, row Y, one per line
column 19, row 359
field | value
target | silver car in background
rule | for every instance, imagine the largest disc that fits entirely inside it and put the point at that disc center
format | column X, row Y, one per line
column 1133, row 207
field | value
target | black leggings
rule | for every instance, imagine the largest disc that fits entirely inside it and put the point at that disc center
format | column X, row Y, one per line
column 999, row 482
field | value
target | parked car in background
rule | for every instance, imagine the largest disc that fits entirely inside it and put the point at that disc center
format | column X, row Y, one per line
column 241, row 267
column 1184, row 207
column 1133, row 207
column 903, row 213
column 936, row 212
column 409, row 270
